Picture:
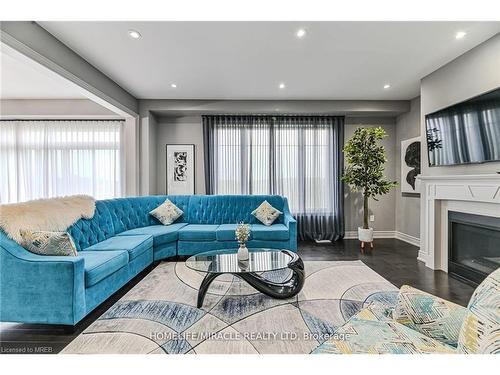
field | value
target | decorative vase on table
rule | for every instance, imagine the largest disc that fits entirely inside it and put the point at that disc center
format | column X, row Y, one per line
column 243, row 252
column 242, row 234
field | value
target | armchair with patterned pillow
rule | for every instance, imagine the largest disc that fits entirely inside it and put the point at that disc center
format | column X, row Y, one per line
column 421, row 323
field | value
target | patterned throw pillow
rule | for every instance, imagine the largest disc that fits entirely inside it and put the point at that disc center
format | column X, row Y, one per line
column 48, row 243
column 430, row 315
column 167, row 212
column 377, row 311
column 480, row 332
column 266, row 213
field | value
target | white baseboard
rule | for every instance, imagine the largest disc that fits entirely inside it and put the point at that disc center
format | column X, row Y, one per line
column 415, row 241
column 422, row 257
column 349, row 235
column 352, row 234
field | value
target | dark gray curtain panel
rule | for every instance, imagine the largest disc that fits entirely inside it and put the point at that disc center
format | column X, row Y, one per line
column 299, row 157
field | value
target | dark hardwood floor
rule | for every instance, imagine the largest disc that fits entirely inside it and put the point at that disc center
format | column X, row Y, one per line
column 397, row 262
column 393, row 259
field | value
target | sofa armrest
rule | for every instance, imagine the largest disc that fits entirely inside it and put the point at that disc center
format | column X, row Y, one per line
column 291, row 224
column 289, row 220
column 430, row 315
column 40, row 289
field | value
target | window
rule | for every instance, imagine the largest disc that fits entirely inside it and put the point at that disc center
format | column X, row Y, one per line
column 42, row 159
column 298, row 157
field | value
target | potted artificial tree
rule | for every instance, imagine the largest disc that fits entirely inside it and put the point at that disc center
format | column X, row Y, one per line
column 365, row 159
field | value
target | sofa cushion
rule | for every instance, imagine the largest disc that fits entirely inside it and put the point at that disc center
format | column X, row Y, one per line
column 100, row 264
column 161, row 233
column 198, row 232
column 480, row 331
column 275, row 232
column 226, row 232
column 367, row 333
column 430, row 315
column 134, row 245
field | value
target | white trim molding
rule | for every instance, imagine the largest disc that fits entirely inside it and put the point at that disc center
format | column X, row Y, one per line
column 415, row 241
column 482, row 189
column 349, row 235
column 353, row 234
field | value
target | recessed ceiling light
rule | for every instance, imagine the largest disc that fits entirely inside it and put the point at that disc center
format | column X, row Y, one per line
column 301, row 33
column 282, row 85
column 173, row 85
column 134, row 34
column 460, row 34
column 387, row 86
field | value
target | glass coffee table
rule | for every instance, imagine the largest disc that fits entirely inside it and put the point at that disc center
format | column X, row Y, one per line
column 218, row 262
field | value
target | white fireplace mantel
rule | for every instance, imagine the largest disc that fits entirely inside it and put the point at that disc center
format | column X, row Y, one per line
column 436, row 192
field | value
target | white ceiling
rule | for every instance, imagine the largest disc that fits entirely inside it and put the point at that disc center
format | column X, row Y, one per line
column 22, row 80
column 248, row 60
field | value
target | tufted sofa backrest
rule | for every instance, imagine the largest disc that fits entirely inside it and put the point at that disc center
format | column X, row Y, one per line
column 113, row 216
column 229, row 209
column 86, row 232
column 131, row 213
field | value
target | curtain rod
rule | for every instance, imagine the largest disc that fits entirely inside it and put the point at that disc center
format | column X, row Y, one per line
column 273, row 115
column 59, row 119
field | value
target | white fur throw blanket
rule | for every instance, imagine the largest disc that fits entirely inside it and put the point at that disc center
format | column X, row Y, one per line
column 54, row 214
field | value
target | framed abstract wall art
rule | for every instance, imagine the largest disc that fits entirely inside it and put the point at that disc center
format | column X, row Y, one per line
column 180, row 169
column 410, row 165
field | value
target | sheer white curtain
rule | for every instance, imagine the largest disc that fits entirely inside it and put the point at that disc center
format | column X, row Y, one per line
column 48, row 158
column 243, row 156
column 306, row 156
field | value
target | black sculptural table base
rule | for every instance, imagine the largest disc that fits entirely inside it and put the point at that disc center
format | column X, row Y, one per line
column 279, row 290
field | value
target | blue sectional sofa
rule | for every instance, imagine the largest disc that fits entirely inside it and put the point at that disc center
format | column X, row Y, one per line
column 120, row 241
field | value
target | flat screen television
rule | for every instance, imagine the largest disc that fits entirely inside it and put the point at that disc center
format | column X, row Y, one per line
column 468, row 132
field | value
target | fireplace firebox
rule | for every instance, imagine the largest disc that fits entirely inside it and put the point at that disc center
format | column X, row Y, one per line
column 473, row 246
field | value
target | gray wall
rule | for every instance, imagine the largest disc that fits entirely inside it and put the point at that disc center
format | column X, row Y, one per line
column 149, row 157
column 53, row 108
column 179, row 130
column 179, row 121
column 379, row 108
column 384, row 208
column 153, row 159
column 188, row 130
column 407, row 207
column 475, row 72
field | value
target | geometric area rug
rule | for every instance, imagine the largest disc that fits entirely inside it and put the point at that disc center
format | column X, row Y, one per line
column 159, row 315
